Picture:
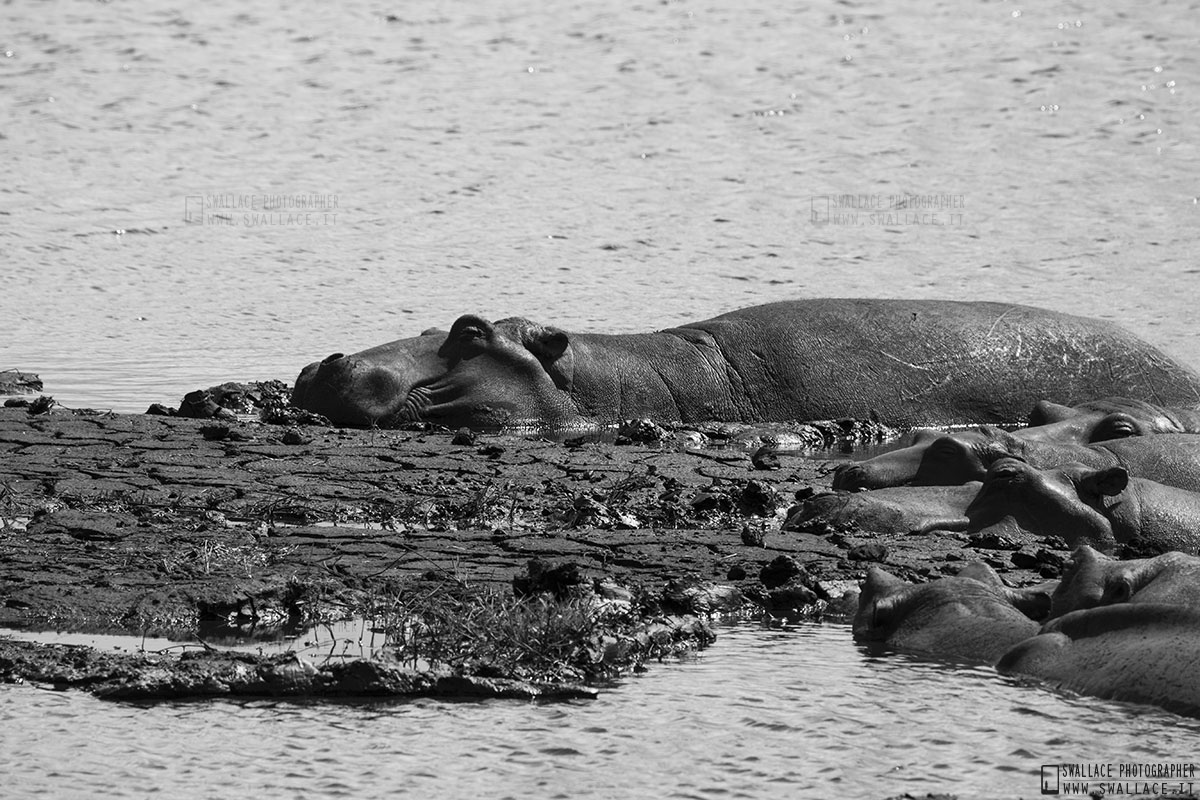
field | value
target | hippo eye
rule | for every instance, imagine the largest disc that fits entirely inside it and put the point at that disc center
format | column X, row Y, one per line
column 1006, row 472
column 1117, row 427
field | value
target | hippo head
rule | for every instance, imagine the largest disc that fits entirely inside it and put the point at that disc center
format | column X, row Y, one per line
column 480, row 374
column 972, row 615
column 1066, row 501
column 894, row 468
column 1098, row 421
column 933, row 458
column 1090, row 579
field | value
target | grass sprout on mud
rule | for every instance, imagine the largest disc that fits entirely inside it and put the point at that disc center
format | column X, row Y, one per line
column 542, row 638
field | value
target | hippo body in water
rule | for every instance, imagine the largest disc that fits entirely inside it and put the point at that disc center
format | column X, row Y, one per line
column 1093, row 579
column 972, row 616
column 900, row 362
column 1136, row 652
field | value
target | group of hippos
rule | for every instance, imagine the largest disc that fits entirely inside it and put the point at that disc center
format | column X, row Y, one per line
column 1120, row 475
column 1121, row 629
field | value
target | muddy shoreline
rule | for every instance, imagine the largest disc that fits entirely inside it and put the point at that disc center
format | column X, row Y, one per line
column 195, row 529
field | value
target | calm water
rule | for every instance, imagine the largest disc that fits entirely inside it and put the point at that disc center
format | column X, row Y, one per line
column 597, row 168
column 791, row 714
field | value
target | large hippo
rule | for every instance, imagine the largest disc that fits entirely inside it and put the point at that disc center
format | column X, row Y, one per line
column 941, row 459
column 1093, row 579
column 1138, row 652
column 1072, row 501
column 900, row 362
column 972, row 616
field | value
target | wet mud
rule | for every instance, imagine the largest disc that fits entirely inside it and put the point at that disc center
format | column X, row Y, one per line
column 202, row 529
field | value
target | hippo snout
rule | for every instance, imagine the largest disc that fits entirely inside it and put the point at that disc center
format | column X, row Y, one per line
column 849, row 478
column 350, row 390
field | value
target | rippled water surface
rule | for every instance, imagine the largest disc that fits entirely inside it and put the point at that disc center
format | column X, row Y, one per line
column 765, row 713
column 598, row 168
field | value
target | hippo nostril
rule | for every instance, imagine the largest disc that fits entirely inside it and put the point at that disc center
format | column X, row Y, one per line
column 333, row 357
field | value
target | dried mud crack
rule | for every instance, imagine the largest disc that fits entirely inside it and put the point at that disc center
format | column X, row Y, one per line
column 165, row 526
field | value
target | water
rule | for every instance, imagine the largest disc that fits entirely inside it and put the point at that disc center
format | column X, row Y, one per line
column 765, row 713
column 613, row 170
column 597, row 168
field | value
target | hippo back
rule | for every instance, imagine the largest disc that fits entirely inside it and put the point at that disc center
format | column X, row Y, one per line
column 913, row 362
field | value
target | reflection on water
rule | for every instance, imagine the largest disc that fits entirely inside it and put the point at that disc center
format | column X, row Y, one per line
column 790, row 713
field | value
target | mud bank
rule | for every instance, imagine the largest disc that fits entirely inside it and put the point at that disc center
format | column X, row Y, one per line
column 165, row 526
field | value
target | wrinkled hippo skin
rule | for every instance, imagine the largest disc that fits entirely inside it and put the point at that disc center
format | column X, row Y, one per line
column 897, row 510
column 900, row 362
column 1093, row 579
column 1073, row 501
column 1137, row 652
column 941, row 459
column 972, row 616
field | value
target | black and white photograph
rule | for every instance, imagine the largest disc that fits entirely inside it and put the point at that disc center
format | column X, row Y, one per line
column 663, row 399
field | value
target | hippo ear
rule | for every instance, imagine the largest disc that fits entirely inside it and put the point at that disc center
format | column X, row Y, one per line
column 552, row 347
column 880, row 580
column 467, row 335
column 979, row 571
column 1044, row 412
column 1110, row 482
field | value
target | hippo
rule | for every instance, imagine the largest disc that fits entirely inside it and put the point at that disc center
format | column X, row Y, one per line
column 899, row 362
column 937, row 459
column 972, row 616
column 1136, row 652
column 1108, row 418
column 1070, row 501
column 902, row 509
column 1093, row 579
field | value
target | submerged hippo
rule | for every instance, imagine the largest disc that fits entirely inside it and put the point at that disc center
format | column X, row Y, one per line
column 1093, row 579
column 1109, row 418
column 900, row 362
column 1072, row 501
column 902, row 509
column 1141, row 653
column 942, row 459
column 972, row 616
